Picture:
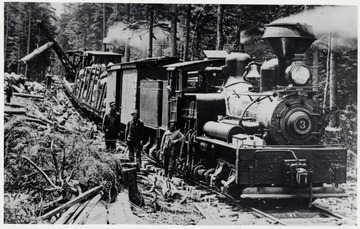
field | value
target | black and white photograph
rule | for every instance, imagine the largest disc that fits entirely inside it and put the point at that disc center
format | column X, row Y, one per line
column 188, row 113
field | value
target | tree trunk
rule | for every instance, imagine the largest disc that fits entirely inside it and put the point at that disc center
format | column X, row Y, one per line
column 28, row 42
column 219, row 28
column 151, row 31
column 104, row 28
column 237, row 44
column 334, row 121
column 327, row 72
column 7, row 29
column 127, row 44
column 195, row 37
column 173, row 30
column 187, row 32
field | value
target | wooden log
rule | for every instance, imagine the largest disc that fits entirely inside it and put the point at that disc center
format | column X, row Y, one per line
column 66, row 215
column 36, row 52
column 81, row 219
column 76, row 200
column 17, row 89
column 18, row 111
column 77, row 212
column 15, row 105
column 28, row 95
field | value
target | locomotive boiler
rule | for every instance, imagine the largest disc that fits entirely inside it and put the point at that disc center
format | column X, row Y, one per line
column 253, row 130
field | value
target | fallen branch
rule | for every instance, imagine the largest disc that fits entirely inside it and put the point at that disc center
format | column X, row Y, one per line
column 41, row 171
column 28, row 95
column 42, row 119
column 76, row 200
column 54, row 202
column 39, row 121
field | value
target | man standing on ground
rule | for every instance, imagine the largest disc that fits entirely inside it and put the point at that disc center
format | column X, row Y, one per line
column 48, row 77
column 8, row 91
column 170, row 145
column 134, row 136
column 111, row 126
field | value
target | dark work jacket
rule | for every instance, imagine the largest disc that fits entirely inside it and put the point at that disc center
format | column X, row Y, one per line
column 111, row 129
column 134, row 131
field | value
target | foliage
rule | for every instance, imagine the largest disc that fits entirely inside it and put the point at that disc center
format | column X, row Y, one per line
column 68, row 160
column 16, row 36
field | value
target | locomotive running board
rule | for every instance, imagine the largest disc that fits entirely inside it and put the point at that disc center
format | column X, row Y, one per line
column 291, row 193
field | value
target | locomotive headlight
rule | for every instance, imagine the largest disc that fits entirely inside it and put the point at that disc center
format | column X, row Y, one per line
column 297, row 74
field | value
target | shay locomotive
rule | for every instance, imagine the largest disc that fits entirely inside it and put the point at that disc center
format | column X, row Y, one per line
column 251, row 134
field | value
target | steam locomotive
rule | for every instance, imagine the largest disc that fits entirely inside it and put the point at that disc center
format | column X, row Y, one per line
column 251, row 130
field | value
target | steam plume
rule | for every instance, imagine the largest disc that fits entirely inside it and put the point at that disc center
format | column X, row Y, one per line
column 118, row 34
column 326, row 19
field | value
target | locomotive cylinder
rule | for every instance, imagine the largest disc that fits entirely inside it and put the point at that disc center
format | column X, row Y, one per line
column 221, row 131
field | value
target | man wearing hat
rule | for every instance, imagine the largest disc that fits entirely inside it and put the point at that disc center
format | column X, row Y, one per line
column 170, row 145
column 111, row 126
column 134, row 135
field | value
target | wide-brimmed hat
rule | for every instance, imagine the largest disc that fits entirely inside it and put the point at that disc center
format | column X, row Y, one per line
column 172, row 121
column 135, row 112
column 112, row 103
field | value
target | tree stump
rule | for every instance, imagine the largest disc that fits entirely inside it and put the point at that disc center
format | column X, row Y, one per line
column 130, row 182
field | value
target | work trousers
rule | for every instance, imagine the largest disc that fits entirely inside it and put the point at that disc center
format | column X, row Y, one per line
column 170, row 155
column 134, row 148
column 110, row 144
column 110, row 141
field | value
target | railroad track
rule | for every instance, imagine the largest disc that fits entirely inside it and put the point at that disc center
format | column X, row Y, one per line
column 221, row 209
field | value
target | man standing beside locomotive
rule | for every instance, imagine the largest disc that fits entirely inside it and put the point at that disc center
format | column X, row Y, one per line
column 134, row 136
column 170, row 145
column 111, row 126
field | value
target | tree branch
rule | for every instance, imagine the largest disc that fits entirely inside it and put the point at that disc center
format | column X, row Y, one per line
column 41, row 171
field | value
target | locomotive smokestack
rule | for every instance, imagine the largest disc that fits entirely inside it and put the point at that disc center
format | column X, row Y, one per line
column 242, row 47
column 286, row 40
column 103, row 47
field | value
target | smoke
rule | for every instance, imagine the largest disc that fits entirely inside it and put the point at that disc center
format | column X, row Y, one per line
column 340, row 20
column 118, row 34
column 243, row 37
